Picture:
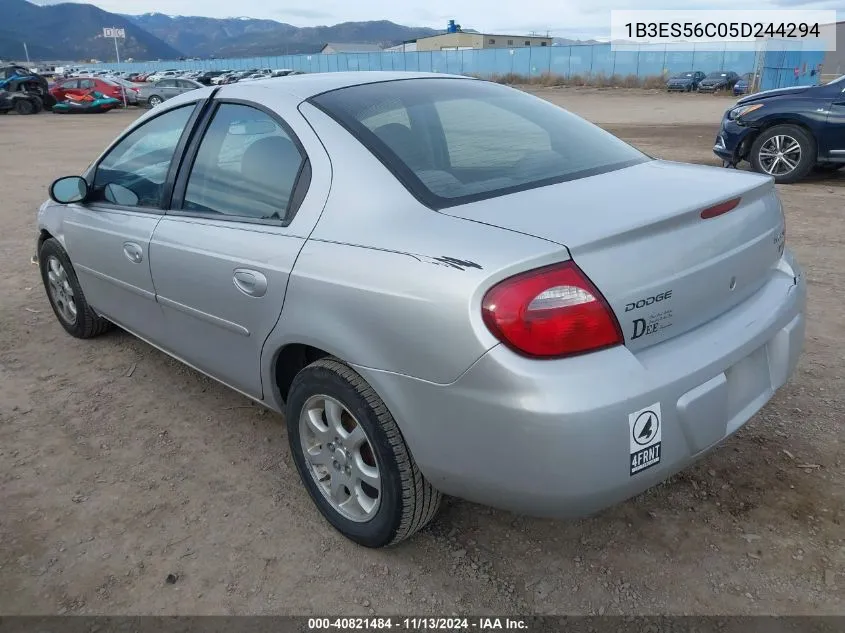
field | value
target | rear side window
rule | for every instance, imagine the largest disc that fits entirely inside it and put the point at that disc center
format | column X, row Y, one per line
column 247, row 167
column 454, row 141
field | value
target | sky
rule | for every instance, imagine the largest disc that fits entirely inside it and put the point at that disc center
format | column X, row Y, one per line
column 562, row 18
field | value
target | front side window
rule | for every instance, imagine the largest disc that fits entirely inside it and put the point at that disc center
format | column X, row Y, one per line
column 247, row 166
column 453, row 141
column 140, row 162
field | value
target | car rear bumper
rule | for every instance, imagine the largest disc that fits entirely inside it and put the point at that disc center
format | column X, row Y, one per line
column 553, row 438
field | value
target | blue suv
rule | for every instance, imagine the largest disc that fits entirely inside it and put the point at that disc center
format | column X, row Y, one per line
column 785, row 133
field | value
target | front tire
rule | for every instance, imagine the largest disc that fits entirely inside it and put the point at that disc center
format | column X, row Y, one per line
column 65, row 294
column 352, row 458
column 785, row 152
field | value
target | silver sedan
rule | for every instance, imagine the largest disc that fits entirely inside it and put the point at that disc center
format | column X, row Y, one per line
column 157, row 93
column 446, row 285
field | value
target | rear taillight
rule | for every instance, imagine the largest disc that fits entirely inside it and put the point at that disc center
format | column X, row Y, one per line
column 550, row 312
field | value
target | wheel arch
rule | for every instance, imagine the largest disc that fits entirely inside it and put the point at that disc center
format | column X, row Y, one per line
column 748, row 141
column 285, row 362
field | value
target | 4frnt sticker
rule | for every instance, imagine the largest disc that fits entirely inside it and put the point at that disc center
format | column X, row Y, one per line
column 645, row 438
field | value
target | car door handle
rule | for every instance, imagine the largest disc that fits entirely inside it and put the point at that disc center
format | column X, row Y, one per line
column 250, row 282
column 133, row 252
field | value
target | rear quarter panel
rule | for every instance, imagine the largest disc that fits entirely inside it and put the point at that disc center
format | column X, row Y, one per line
column 388, row 284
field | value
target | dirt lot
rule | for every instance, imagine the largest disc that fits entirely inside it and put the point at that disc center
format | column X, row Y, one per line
column 110, row 481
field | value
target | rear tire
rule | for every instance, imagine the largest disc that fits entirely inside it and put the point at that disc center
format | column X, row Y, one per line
column 39, row 104
column 154, row 101
column 323, row 394
column 24, row 106
column 785, row 152
column 65, row 294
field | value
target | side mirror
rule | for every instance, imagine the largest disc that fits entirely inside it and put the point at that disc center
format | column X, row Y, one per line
column 69, row 190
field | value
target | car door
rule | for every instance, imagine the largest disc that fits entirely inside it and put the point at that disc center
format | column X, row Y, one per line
column 85, row 85
column 834, row 133
column 183, row 85
column 222, row 256
column 108, row 237
column 166, row 88
column 62, row 89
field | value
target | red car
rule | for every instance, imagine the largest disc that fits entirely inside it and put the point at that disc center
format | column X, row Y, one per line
column 79, row 86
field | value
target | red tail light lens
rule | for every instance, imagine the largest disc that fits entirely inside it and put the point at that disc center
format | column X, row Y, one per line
column 720, row 209
column 551, row 312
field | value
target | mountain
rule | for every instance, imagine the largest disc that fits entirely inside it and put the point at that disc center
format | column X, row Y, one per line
column 245, row 37
column 72, row 31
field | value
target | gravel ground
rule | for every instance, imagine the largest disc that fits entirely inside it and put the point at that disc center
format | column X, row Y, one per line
column 130, row 484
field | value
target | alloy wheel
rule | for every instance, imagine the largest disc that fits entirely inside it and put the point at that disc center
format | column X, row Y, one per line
column 60, row 290
column 780, row 155
column 340, row 458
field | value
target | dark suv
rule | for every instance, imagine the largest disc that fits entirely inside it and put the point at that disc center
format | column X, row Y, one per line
column 719, row 80
column 684, row 82
column 786, row 132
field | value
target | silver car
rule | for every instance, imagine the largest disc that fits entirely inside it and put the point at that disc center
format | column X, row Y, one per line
column 447, row 286
column 159, row 92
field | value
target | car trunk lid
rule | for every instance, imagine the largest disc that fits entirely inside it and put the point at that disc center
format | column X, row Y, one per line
column 639, row 235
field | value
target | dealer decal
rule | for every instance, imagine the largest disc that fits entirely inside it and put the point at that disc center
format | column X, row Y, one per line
column 644, row 433
column 658, row 318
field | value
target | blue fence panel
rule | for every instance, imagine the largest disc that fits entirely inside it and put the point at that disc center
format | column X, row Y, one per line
column 453, row 62
column 503, row 63
column 625, row 63
column 602, row 60
column 485, row 62
column 559, row 58
column 373, row 61
column 468, row 63
column 581, row 60
column 541, row 60
column 520, row 61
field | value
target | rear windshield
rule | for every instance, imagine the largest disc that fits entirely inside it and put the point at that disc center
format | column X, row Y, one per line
column 453, row 141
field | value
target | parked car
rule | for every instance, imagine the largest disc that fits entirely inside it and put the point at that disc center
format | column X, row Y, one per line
column 785, row 133
column 282, row 72
column 684, row 82
column 743, row 84
column 256, row 76
column 221, row 78
column 207, row 77
column 159, row 92
column 132, row 90
column 718, row 81
column 83, row 85
column 165, row 74
column 429, row 340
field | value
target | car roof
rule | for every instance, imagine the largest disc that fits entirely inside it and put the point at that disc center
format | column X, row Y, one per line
column 308, row 85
